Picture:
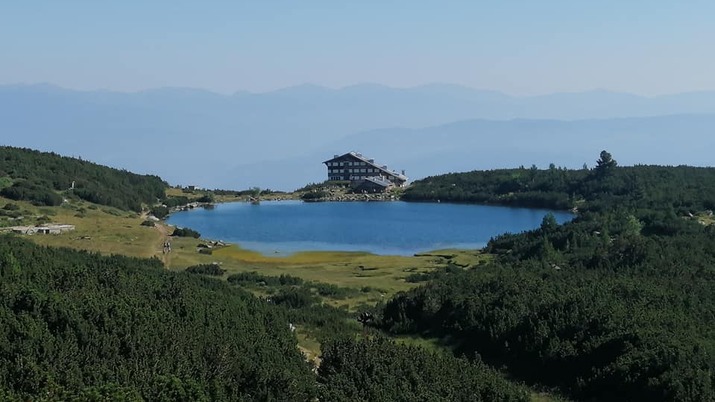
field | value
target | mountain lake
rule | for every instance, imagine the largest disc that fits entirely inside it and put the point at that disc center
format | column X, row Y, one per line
column 387, row 228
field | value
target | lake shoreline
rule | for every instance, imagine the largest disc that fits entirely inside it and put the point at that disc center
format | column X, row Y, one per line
column 286, row 227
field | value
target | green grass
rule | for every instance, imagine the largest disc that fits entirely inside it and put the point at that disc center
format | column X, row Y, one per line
column 432, row 344
column 375, row 277
column 383, row 275
column 118, row 232
column 537, row 396
column 308, row 345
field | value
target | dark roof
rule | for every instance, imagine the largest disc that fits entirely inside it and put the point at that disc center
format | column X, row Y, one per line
column 370, row 162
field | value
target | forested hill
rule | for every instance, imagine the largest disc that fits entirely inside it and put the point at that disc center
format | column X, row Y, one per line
column 617, row 305
column 685, row 189
column 80, row 326
column 46, row 178
column 76, row 326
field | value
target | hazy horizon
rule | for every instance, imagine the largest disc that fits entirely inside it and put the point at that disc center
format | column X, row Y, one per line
column 280, row 139
column 348, row 86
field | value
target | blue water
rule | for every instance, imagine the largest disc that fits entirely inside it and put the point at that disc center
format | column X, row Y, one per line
column 389, row 228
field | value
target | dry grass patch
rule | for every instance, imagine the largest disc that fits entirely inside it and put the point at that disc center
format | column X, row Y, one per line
column 101, row 229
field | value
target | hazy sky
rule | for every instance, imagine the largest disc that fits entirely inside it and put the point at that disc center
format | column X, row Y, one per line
column 520, row 47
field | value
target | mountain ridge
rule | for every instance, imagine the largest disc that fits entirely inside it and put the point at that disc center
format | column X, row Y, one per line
column 441, row 86
column 195, row 136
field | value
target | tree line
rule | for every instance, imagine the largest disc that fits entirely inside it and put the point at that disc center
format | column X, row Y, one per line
column 681, row 189
column 45, row 178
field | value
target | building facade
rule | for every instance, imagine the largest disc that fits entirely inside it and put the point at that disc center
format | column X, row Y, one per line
column 360, row 170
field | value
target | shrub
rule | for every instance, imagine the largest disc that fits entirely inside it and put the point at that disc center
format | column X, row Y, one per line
column 160, row 211
column 206, row 198
column 206, row 269
column 246, row 278
column 10, row 214
column 33, row 192
column 332, row 291
column 314, row 195
column 43, row 220
column 186, row 232
column 175, row 201
column 295, row 298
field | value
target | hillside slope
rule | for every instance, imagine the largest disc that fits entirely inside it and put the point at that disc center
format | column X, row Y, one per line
column 75, row 324
column 45, row 178
column 617, row 305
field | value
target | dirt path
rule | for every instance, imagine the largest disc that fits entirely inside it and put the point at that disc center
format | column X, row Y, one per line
column 165, row 237
column 158, row 248
column 310, row 356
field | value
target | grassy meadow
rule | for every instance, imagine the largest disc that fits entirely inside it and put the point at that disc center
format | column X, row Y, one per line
column 111, row 231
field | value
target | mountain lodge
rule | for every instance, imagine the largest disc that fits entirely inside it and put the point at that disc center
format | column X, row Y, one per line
column 363, row 173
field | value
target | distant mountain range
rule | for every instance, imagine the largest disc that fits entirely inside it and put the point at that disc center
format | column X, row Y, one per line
column 279, row 139
column 489, row 144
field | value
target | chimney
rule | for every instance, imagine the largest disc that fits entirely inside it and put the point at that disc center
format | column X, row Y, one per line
column 335, row 156
column 403, row 172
